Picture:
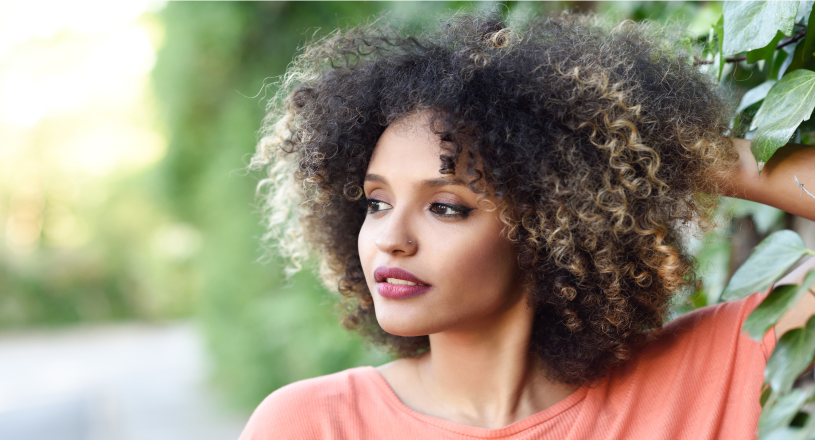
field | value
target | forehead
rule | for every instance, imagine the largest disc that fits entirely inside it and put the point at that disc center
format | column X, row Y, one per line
column 408, row 148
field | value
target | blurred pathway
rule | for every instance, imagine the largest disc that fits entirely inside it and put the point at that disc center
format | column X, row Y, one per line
column 118, row 382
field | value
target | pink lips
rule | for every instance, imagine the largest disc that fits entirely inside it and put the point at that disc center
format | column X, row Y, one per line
column 398, row 291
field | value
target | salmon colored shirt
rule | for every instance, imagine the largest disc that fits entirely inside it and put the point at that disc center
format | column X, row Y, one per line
column 700, row 380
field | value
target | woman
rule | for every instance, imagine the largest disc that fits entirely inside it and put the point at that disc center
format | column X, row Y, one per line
column 503, row 208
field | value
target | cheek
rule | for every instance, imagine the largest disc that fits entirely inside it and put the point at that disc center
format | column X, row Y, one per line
column 485, row 265
column 492, row 262
column 366, row 246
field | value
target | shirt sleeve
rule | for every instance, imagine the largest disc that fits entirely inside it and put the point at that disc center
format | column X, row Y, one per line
column 282, row 415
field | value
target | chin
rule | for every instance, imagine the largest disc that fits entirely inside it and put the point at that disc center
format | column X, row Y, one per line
column 402, row 329
column 403, row 325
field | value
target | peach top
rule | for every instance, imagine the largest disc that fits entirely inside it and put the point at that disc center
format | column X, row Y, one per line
column 700, row 380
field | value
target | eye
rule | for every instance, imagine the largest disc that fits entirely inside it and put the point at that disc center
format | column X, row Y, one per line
column 375, row 206
column 449, row 210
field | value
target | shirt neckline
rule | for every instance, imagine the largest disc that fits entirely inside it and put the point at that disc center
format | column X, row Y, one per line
column 535, row 419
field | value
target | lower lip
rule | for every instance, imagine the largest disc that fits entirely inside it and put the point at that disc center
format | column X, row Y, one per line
column 400, row 291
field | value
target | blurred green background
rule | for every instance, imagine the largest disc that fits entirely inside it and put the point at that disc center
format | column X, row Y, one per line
column 123, row 194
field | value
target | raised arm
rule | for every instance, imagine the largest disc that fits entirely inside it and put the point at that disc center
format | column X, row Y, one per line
column 776, row 185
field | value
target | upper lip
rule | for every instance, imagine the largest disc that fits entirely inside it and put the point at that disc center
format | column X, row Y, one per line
column 382, row 273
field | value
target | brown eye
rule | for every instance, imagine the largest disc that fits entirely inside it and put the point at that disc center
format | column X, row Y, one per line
column 449, row 210
column 375, row 206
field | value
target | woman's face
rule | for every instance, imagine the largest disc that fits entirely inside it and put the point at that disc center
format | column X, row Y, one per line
column 433, row 259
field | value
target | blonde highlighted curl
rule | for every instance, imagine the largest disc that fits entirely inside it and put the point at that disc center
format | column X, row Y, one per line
column 598, row 141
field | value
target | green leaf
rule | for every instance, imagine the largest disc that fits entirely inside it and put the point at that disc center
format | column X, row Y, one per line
column 754, row 95
column 767, row 218
column 784, row 410
column 792, row 355
column 779, row 64
column 803, row 59
column 719, row 28
column 775, row 305
column 687, row 43
column 768, row 262
column 700, row 21
column 752, row 25
column 788, row 102
column 766, row 52
column 765, row 396
column 786, row 61
column 797, row 59
column 714, row 254
column 785, row 433
column 804, row 11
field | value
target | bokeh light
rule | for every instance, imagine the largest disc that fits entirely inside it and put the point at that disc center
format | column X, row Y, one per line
column 75, row 107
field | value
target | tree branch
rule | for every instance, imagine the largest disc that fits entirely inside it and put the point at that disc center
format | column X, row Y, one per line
column 801, row 185
column 797, row 37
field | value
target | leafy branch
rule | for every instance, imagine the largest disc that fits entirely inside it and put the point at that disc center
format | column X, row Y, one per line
column 781, row 45
column 755, row 30
column 782, row 402
column 762, row 30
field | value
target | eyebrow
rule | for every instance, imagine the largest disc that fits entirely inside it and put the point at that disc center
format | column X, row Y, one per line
column 435, row 183
column 432, row 183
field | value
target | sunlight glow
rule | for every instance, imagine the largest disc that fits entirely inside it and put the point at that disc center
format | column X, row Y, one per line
column 74, row 107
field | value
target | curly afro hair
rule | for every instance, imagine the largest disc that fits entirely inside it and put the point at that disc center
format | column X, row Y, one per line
column 599, row 142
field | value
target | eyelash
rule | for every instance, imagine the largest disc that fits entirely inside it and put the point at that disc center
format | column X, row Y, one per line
column 371, row 203
column 459, row 211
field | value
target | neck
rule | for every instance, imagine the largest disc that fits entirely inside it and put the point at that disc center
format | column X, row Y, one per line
column 483, row 376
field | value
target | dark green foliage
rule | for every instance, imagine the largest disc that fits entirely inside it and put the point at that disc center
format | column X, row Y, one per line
column 775, row 305
column 759, row 51
column 787, row 407
column 792, row 354
column 795, row 349
column 116, row 275
column 789, row 102
column 758, row 29
column 262, row 331
column 84, row 289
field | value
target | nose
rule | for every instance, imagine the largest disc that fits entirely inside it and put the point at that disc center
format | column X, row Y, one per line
column 395, row 237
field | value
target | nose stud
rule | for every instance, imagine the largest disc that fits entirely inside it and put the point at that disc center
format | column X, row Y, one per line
column 409, row 242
